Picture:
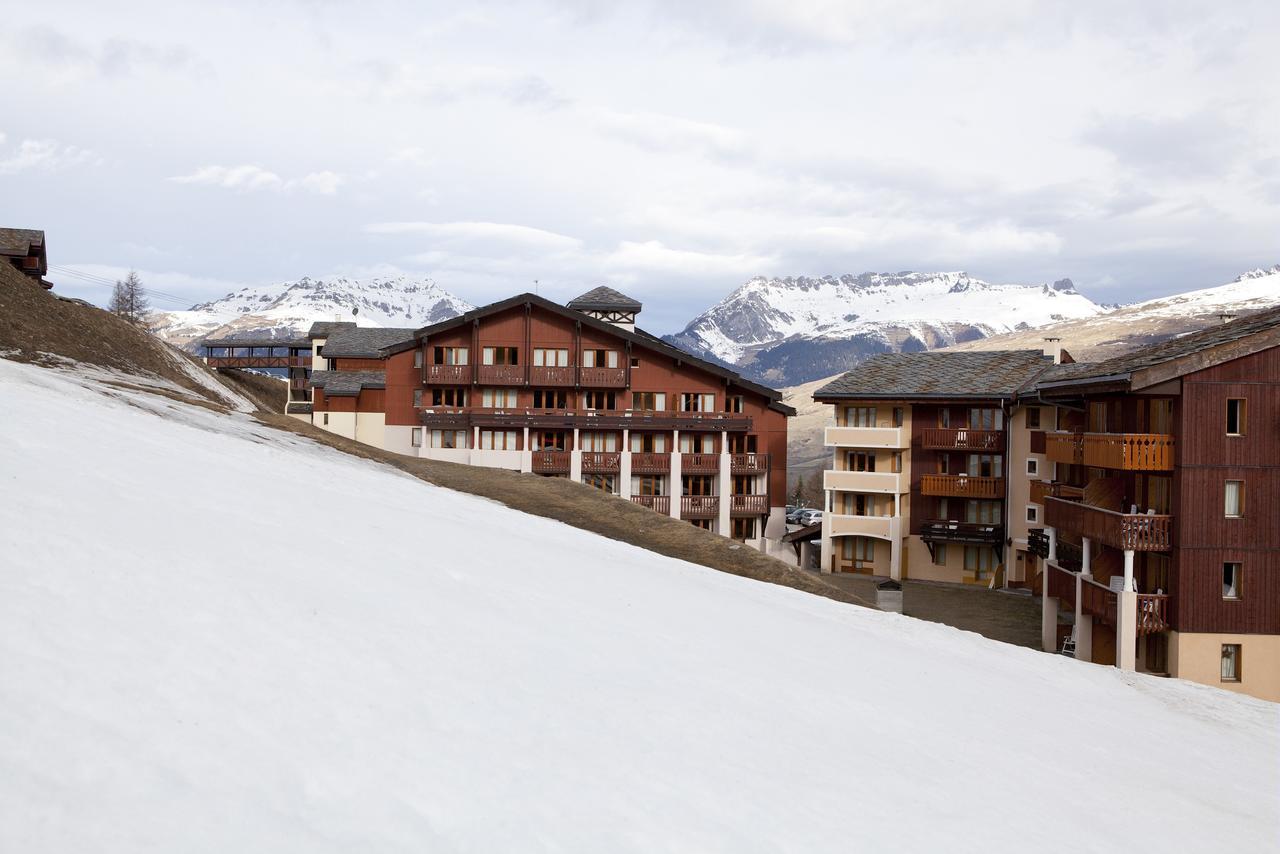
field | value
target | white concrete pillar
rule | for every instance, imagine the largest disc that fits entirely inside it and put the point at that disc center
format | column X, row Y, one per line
column 895, row 557
column 1048, row 618
column 1084, row 624
column 725, row 485
column 575, row 459
column 1052, row 534
column 624, row 474
column 1128, row 569
column 526, row 454
column 827, row 547
column 1127, row 629
column 675, row 488
column 1086, row 566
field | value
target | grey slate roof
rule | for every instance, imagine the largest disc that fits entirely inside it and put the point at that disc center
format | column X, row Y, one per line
column 990, row 374
column 18, row 241
column 363, row 342
column 1174, row 348
column 256, row 341
column 324, row 328
column 604, row 299
column 347, row 383
column 298, row 409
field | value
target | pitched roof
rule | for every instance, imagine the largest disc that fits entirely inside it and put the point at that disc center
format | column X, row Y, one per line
column 979, row 374
column 324, row 328
column 603, row 298
column 363, row 342
column 253, row 340
column 347, row 383
column 639, row 336
column 18, row 241
column 1120, row 367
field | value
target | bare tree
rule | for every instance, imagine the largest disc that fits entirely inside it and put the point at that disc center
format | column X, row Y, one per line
column 129, row 299
column 119, row 304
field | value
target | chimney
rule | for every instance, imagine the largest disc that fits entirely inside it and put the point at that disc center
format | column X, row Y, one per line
column 1053, row 347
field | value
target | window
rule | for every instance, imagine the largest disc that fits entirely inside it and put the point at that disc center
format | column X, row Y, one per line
column 740, row 443
column 860, row 460
column 450, row 356
column 449, row 397
column 1159, row 416
column 734, row 403
column 859, row 416
column 1231, row 663
column 944, row 417
column 326, row 419
column 498, row 440
column 1235, row 416
column 415, row 437
column 498, row 398
column 648, row 484
column 979, row 560
column 449, row 438
column 704, row 524
column 895, row 462
column 592, row 441
column 635, row 363
column 986, row 465
column 697, row 443
column 1033, row 513
column 1033, row 467
column 697, row 402
column 860, row 550
column 599, row 399
column 599, row 358
column 603, row 482
column 417, row 358
column 549, row 440
column 649, row 401
column 501, row 356
column 1033, row 418
column 696, row 484
column 546, row 398
column 940, row 554
column 1231, row 580
column 547, row 358
column 744, row 484
column 743, row 529
column 898, row 416
column 1234, row 499
column 982, row 512
column 649, row 443
column 417, row 397
column 986, row 419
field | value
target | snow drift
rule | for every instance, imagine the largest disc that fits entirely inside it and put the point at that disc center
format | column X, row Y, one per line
column 312, row 652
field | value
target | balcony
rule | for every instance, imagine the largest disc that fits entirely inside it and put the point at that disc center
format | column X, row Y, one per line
column 1153, row 613
column 700, row 507
column 603, row 378
column 866, row 437
column 1042, row 489
column 973, row 533
column 1061, row 585
column 650, row 463
column 1038, row 542
column 963, row 439
column 551, row 376
column 962, row 486
column 894, row 483
column 883, row 527
column 601, row 462
column 551, row 462
column 699, row 464
column 748, row 505
column 1126, row 531
column 748, row 463
column 449, row 374
column 1119, row 451
column 656, row 503
column 499, row 375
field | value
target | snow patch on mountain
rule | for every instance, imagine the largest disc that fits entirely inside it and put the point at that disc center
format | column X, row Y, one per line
column 288, row 309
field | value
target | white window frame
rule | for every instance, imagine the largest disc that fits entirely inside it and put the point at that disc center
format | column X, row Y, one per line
column 1033, row 466
column 1239, row 499
column 1033, row 513
column 1232, row 592
column 415, row 437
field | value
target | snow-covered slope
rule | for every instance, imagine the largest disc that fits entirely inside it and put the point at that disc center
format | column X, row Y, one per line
column 284, row 310
column 1129, row 326
column 221, row 673
column 795, row 329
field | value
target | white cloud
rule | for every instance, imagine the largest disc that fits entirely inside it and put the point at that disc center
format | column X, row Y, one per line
column 656, row 132
column 249, row 178
column 652, row 256
column 493, row 234
column 42, row 155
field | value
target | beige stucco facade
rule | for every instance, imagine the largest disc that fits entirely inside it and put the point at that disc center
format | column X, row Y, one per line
column 1198, row 657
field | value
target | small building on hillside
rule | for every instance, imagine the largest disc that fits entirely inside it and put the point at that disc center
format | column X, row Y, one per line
column 25, row 249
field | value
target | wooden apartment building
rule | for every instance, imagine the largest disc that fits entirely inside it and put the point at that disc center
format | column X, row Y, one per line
column 572, row 391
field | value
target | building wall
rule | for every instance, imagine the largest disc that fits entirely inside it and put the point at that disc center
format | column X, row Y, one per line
column 1018, row 492
column 1198, row 656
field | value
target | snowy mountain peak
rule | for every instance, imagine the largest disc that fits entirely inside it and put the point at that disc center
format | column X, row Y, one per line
column 773, row 327
column 1258, row 273
column 289, row 308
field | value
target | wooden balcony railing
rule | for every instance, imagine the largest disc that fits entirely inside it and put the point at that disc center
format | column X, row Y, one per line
column 449, row 374
column 1062, row 585
column 1038, row 542
column 1135, row 531
column 650, row 463
column 749, row 505
column 974, row 533
column 550, row 376
column 499, row 375
column 601, row 462
column 1153, row 613
column 1129, row 451
column 1042, row 489
column 603, row 377
column 699, row 506
column 962, row 486
column 963, row 439
column 656, row 503
column 749, row 463
column 699, row 463
column 1098, row 600
column 1064, row 448
column 551, row 462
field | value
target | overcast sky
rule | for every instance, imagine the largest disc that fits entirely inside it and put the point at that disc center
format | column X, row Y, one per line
column 671, row 149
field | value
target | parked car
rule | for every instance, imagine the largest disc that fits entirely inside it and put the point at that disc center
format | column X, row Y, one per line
column 810, row 517
column 794, row 514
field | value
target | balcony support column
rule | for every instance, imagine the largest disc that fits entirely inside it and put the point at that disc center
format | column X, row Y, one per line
column 1048, row 616
column 1127, row 619
column 1085, row 565
column 828, row 553
column 675, row 488
column 526, row 454
column 895, row 551
column 1052, row 534
column 624, row 466
column 575, row 459
column 725, row 487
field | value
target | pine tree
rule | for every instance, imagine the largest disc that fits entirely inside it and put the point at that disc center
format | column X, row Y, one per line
column 136, row 298
column 119, row 305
